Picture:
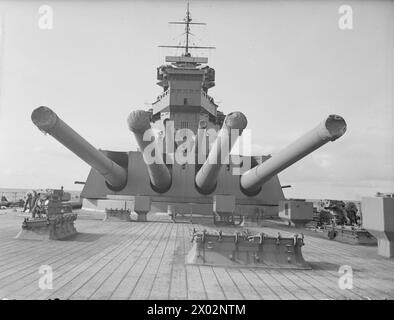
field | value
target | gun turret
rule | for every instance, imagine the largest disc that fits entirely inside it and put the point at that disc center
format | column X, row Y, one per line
column 160, row 177
column 49, row 122
column 207, row 175
column 329, row 130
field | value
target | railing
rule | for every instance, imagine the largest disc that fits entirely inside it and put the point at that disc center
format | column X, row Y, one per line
column 165, row 93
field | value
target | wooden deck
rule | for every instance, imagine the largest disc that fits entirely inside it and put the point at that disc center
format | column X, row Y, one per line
column 115, row 260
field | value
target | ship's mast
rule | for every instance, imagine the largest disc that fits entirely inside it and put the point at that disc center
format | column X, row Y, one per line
column 187, row 21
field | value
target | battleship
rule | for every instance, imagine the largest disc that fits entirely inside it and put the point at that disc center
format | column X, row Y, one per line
column 184, row 217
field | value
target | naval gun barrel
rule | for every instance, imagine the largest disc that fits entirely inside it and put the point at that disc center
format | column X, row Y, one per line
column 207, row 175
column 329, row 130
column 49, row 122
column 160, row 177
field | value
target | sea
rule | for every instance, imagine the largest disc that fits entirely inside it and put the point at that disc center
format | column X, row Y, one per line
column 13, row 194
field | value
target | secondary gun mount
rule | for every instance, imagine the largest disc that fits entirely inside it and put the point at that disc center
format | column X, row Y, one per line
column 48, row 121
column 54, row 222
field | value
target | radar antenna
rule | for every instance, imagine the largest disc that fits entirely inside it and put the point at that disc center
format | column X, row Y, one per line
column 187, row 21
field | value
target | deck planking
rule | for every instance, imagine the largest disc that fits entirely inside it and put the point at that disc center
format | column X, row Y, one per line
column 120, row 260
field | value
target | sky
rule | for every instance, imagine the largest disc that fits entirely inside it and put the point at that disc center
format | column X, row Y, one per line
column 285, row 65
